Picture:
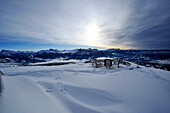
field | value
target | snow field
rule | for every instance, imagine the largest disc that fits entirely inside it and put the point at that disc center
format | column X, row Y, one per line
column 81, row 88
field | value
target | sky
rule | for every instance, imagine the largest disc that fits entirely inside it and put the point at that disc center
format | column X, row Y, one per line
column 68, row 24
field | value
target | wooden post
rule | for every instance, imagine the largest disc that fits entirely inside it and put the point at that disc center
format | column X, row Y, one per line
column 1, row 87
column 0, row 84
column 120, row 61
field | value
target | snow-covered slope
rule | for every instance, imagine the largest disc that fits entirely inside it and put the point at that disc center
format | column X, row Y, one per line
column 81, row 88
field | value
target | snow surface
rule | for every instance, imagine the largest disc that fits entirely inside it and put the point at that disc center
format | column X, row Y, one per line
column 55, row 61
column 81, row 88
column 161, row 61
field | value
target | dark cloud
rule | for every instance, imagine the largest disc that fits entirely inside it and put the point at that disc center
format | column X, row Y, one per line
column 149, row 24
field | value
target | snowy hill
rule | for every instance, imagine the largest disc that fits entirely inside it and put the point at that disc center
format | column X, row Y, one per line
column 81, row 88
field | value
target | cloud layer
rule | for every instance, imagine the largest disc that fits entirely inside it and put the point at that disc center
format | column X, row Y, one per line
column 122, row 23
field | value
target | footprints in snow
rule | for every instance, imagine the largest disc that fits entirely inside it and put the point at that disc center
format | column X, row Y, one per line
column 61, row 88
column 59, row 84
column 58, row 87
column 38, row 83
column 49, row 90
column 58, row 77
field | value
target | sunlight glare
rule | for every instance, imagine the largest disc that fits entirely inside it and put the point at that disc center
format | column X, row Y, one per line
column 92, row 31
column 92, row 34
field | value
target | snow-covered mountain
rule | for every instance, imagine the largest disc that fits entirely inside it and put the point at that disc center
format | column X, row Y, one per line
column 142, row 57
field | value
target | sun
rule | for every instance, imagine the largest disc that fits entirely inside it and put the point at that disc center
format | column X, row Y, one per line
column 92, row 31
column 92, row 34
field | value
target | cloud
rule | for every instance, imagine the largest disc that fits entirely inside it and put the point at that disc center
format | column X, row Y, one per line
column 46, row 21
column 146, row 27
column 123, row 23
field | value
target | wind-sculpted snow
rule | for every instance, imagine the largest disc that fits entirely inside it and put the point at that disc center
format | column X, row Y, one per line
column 82, row 88
column 88, row 96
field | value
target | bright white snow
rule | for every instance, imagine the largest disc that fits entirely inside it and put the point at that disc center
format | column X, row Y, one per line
column 81, row 88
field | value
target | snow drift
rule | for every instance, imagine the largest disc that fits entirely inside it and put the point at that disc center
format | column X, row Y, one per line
column 81, row 88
